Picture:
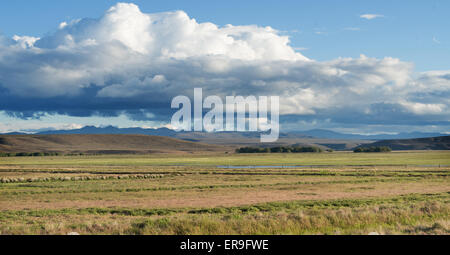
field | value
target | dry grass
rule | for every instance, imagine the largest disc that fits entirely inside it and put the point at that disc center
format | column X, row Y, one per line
column 109, row 144
column 197, row 198
column 411, row 214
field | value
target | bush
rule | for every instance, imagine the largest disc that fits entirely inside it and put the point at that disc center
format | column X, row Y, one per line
column 29, row 154
column 373, row 149
column 279, row 149
column 251, row 150
column 24, row 154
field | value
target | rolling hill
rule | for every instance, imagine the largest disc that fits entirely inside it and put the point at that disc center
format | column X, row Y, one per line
column 314, row 133
column 323, row 133
column 228, row 139
column 433, row 143
column 252, row 139
column 103, row 144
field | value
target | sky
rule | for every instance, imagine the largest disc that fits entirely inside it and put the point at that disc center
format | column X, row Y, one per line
column 351, row 66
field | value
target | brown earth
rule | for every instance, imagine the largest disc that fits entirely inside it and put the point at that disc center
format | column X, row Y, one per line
column 103, row 144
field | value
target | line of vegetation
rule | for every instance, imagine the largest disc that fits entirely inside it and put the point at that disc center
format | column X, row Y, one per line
column 279, row 149
column 387, row 217
column 263, row 207
column 46, row 154
column 373, row 149
column 81, row 178
column 203, row 187
column 159, row 175
column 29, row 154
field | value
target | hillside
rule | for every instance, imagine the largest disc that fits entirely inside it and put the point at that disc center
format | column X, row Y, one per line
column 242, row 139
column 434, row 143
column 315, row 133
column 322, row 133
column 104, row 144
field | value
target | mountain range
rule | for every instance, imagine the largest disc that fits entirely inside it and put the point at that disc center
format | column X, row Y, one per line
column 111, row 139
column 315, row 133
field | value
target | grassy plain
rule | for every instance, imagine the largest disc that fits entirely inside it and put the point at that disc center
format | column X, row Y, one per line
column 214, row 159
column 333, row 193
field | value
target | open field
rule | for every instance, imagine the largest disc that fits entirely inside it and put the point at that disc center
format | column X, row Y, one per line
column 321, row 193
column 338, row 158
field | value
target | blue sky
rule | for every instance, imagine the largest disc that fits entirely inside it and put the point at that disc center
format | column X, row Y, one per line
column 350, row 66
column 412, row 30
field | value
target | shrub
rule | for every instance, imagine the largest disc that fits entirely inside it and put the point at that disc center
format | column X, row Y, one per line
column 251, row 150
column 279, row 149
column 24, row 154
column 373, row 149
column 29, row 154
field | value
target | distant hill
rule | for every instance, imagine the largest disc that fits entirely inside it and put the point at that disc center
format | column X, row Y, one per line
column 252, row 139
column 433, row 143
column 110, row 130
column 233, row 139
column 322, row 133
column 14, row 133
column 315, row 133
column 103, row 144
column 222, row 141
column 317, row 137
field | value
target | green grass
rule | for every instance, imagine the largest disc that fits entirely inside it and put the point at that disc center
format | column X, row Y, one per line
column 407, row 214
column 339, row 158
column 346, row 193
column 290, row 206
column 95, row 188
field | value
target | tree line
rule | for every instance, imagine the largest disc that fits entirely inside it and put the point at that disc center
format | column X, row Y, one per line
column 279, row 149
column 373, row 149
column 29, row 154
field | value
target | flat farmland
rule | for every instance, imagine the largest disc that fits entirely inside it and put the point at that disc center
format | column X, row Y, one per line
column 225, row 193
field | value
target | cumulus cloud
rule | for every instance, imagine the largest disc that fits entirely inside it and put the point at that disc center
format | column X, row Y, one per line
column 172, row 35
column 369, row 16
column 135, row 62
column 25, row 41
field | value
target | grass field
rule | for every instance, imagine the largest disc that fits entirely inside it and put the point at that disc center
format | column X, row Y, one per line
column 336, row 193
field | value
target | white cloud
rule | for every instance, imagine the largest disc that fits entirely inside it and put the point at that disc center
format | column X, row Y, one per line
column 64, row 122
column 32, row 126
column 25, row 41
column 126, row 41
column 432, row 81
column 371, row 16
column 175, row 35
column 62, row 25
column 420, row 108
column 143, row 60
